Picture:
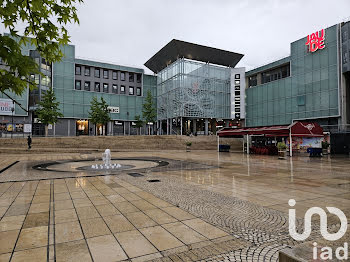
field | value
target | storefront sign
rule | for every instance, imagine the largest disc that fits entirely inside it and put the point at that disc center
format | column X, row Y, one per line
column 114, row 109
column 6, row 106
column 315, row 41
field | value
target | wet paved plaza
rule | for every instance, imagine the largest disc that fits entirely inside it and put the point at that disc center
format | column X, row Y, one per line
column 205, row 206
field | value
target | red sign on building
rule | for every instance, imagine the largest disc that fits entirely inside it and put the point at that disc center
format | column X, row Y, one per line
column 315, row 41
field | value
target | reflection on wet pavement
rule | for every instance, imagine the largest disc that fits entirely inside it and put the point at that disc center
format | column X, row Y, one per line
column 206, row 205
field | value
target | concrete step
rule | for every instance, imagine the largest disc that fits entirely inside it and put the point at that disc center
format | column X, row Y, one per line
column 118, row 143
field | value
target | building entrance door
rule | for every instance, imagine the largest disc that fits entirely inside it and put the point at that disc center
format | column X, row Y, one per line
column 118, row 128
column 101, row 129
column 82, row 127
column 38, row 129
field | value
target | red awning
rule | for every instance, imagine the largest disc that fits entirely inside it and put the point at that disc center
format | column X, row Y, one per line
column 303, row 129
column 298, row 129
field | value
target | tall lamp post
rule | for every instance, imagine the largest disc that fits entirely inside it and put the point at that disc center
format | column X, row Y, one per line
column 110, row 121
column 12, row 110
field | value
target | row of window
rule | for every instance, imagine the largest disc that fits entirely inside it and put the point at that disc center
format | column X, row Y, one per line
column 105, row 88
column 237, row 102
column 45, row 65
column 45, row 80
column 275, row 74
column 270, row 75
column 105, row 72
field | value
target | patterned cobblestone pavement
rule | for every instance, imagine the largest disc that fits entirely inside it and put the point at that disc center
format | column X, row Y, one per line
column 264, row 230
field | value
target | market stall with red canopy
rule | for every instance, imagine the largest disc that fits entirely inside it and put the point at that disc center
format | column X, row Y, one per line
column 296, row 129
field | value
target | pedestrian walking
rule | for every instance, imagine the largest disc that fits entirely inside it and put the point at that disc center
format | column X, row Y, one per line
column 29, row 141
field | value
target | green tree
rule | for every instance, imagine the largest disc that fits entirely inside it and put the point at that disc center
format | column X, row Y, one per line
column 139, row 123
column 48, row 111
column 99, row 112
column 44, row 24
column 149, row 111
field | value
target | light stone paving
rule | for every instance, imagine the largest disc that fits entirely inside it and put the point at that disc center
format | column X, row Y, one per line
column 104, row 229
column 207, row 206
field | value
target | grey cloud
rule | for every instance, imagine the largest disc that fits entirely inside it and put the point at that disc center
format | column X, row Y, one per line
column 130, row 32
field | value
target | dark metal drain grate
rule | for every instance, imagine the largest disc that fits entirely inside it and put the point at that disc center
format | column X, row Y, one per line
column 135, row 174
column 153, row 180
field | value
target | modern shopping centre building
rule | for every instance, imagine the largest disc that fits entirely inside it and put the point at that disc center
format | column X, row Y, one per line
column 311, row 85
column 197, row 89
column 193, row 89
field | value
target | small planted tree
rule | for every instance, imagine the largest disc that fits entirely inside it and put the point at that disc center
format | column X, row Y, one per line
column 138, row 123
column 105, row 114
column 48, row 111
column 99, row 113
column 282, row 147
column 149, row 111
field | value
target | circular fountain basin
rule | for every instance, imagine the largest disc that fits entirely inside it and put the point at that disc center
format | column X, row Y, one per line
column 86, row 165
column 101, row 167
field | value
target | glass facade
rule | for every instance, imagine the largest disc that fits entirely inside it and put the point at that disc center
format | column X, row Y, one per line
column 193, row 89
column 43, row 81
column 310, row 92
column 301, row 86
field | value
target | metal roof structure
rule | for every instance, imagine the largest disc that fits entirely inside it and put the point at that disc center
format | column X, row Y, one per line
column 176, row 49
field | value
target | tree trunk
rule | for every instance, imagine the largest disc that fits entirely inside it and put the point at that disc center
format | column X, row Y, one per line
column 46, row 130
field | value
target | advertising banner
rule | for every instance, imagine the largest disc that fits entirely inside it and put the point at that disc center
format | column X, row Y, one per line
column 5, row 106
column 27, row 128
column 303, row 143
column 9, row 127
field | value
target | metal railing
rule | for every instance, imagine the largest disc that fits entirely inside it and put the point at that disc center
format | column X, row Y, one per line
column 336, row 128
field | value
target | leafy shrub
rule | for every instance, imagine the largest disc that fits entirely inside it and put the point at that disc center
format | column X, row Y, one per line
column 281, row 146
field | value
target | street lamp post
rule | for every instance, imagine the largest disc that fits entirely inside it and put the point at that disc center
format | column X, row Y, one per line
column 110, row 122
column 12, row 110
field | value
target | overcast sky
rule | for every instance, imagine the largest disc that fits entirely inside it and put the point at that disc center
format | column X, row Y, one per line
column 129, row 32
